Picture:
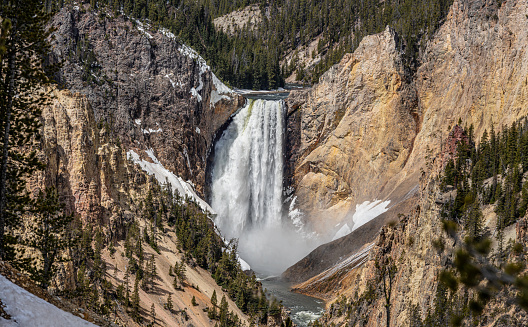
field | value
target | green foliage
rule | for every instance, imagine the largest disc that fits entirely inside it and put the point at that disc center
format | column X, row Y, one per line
column 169, row 306
column 23, row 93
column 490, row 173
column 47, row 235
column 135, row 302
column 250, row 58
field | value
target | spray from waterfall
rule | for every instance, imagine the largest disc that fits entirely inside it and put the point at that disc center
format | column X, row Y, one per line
column 247, row 184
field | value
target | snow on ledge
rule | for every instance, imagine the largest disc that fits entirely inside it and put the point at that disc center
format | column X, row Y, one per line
column 163, row 175
column 27, row 309
column 219, row 91
column 244, row 265
column 364, row 213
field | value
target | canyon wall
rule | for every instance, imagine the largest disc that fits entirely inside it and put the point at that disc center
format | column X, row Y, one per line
column 475, row 68
column 150, row 90
column 365, row 130
column 357, row 128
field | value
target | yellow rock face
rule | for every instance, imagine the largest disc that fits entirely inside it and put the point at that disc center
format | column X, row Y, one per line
column 90, row 170
column 357, row 130
column 475, row 69
column 366, row 130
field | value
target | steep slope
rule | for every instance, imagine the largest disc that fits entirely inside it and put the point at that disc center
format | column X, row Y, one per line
column 16, row 300
column 364, row 133
column 129, row 95
column 474, row 69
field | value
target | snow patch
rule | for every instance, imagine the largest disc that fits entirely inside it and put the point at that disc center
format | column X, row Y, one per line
column 221, row 88
column 27, row 309
column 167, row 33
column 215, row 97
column 148, row 131
column 188, row 161
column 137, row 121
column 365, row 212
column 296, row 215
column 194, row 93
column 197, row 129
column 344, row 230
column 163, row 175
column 171, row 81
column 188, row 52
column 244, row 265
column 142, row 29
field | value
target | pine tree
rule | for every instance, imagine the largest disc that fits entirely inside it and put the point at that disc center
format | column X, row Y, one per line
column 214, row 302
column 152, row 271
column 386, row 273
column 48, row 235
column 223, row 311
column 175, row 282
column 153, row 314
column 179, row 271
column 169, row 304
column 193, row 301
column 23, row 92
column 127, row 291
column 99, row 263
column 135, row 301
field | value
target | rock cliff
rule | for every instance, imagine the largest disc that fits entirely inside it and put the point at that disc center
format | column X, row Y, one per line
column 122, row 87
column 90, row 169
column 365, row 130
column 357, row 128
column 475, row 69
column 152, row 91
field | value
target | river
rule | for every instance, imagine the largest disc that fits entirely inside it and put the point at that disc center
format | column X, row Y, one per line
column 304, row 309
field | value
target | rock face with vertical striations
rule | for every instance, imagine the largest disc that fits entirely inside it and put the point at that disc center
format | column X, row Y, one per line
column 90, row 170
column 356, row 131
column 152, row 91
column 365, row 130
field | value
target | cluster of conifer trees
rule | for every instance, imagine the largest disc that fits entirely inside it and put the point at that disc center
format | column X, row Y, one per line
column 251, row 58
column 490, row 173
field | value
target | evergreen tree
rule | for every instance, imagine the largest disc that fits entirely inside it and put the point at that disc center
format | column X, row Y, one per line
column 214, row 302
column 135, row 301
column 127, row 291
column 169, row 304
column 48, row 235
column 153, row 314
column 23, row 81
column 223, row 311
column 99, row 263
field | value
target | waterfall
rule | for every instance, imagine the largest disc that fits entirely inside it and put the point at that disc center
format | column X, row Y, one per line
column 247, row 177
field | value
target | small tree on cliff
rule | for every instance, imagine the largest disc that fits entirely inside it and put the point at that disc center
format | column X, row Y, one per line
column 386, row 271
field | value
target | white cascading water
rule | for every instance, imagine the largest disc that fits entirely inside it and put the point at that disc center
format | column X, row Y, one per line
column 246, row 189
